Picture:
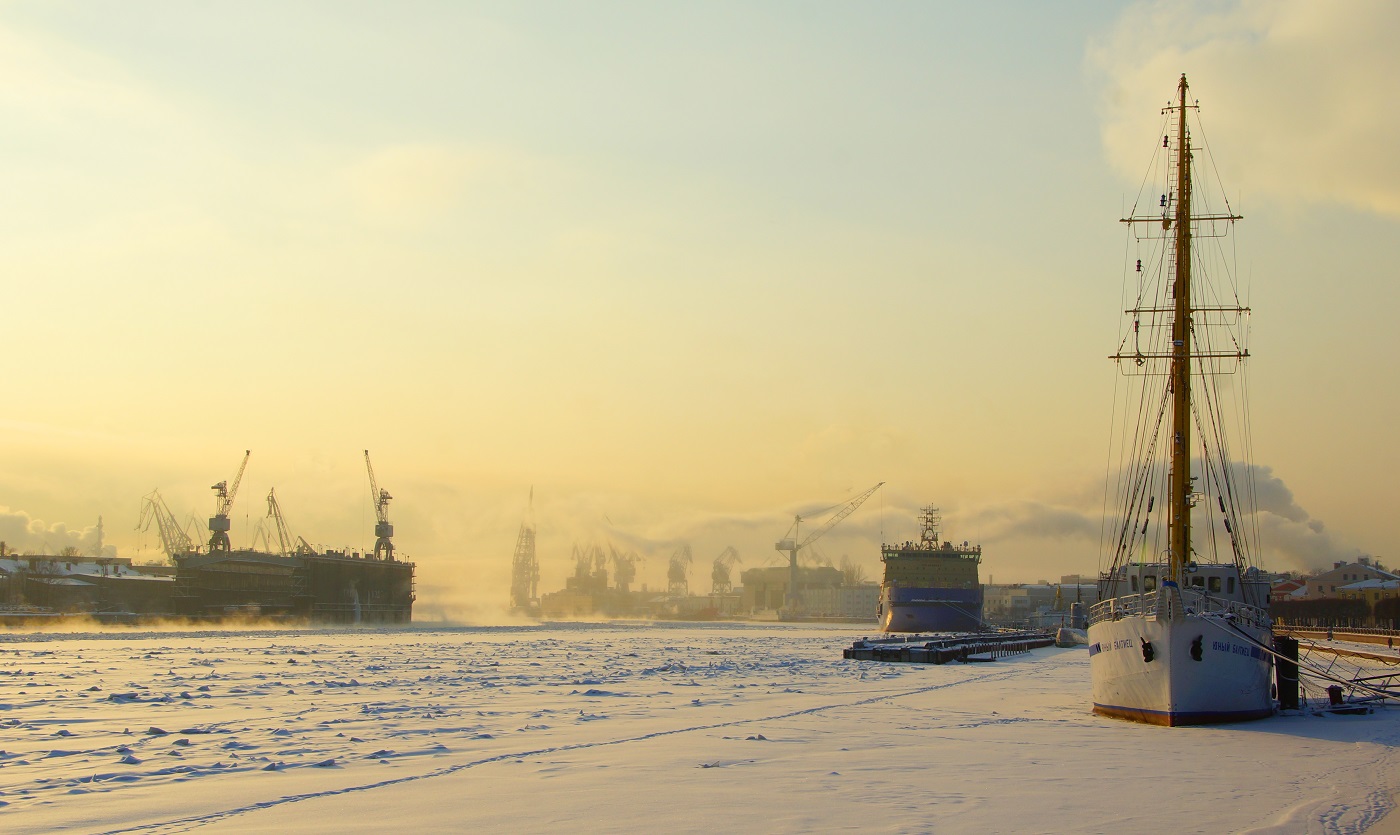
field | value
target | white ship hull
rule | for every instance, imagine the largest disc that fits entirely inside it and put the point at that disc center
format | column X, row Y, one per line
column 1229, row 683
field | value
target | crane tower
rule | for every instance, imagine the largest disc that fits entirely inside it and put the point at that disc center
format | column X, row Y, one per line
column 525, row 567
column 172, row 537
column 383, row 531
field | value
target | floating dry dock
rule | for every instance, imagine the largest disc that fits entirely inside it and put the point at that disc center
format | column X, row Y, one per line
column 940, row 649
column 333, row 586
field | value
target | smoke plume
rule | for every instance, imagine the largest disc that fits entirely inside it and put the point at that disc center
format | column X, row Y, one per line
column 25, row 535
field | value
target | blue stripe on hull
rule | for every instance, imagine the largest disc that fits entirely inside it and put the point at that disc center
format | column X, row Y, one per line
column 931, row 610
column 1175, row 718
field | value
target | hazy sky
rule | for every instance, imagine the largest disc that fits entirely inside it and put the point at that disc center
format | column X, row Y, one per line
column 686, row 269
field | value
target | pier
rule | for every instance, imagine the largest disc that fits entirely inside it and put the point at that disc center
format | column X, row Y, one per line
column 1320, row 639
column 942, row 648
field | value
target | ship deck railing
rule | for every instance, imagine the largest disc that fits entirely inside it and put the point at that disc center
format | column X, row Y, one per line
column 1194, row 601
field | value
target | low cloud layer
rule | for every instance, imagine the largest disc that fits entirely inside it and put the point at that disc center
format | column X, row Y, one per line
column 1290, row 538
column 1029, row 519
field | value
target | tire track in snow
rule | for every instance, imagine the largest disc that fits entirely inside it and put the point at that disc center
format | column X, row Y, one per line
column 193, row 821
column 1354, row 805
column 1353, row 818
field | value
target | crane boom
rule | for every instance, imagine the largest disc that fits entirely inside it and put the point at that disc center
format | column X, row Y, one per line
column 226, row 501
column 374, row 497
column 172, row 537
column 792, row 546
column 284, row 536
column 846, row 510
column 287, row 545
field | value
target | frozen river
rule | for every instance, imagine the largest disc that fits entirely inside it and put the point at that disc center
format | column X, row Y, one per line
column 691, row 728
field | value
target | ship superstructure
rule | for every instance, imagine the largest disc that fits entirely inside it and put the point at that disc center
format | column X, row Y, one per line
column 930, row 585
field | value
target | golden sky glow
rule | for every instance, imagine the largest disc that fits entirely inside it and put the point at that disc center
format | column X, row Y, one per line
column 685, row 269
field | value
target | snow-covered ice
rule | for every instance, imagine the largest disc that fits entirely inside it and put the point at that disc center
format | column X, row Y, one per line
column 643, row 727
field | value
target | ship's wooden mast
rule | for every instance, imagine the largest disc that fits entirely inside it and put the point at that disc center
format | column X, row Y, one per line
column 1180, row 537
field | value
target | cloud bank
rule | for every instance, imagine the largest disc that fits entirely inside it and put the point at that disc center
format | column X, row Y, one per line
column 1299, row 91
column 1290, row 538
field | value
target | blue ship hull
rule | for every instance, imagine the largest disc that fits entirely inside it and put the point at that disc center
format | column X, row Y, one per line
column 930, row 610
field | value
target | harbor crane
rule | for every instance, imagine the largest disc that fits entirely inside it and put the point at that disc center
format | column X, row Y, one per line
column 791, row 544
column 260, row 537
column 590, row 561
column 525, row 566
column 191, row 527
column 219, row 524
column 720, row 582
column 286, row 545
column 172, row 537
column 624, row 568
column 677, row 582
column 383, row 531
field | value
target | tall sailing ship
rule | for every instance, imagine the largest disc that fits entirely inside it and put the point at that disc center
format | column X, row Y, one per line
column 1182, row 633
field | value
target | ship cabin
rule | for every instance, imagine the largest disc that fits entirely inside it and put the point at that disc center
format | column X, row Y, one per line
column 1219, row 581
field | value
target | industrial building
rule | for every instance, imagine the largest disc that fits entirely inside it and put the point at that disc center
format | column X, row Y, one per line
column 73, row 584
column 1036, row 605
column 821, row 590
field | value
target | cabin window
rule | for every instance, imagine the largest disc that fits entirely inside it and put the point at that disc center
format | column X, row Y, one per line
column 1230, row 585
column 1133, row 582
column 1198, row 581
column 1149, row 583
column 1215, row 584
